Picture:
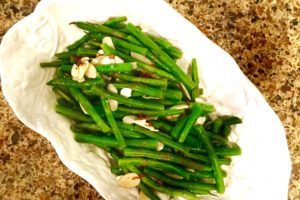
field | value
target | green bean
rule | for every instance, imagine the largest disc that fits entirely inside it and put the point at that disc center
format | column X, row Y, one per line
column 162, row 113
column 88, row 107
column 162, row 166
column 93, row 43
column 141, row 66
column 74, row 114
column 65, row 95
column 235, row 150
column 86, row 52
column 113, row 68
column 132, row 47
column 173, row 94
column 231, row 120
column 165, row 156
column 131, row 39
column 111, row 120
column 148, row 192
column 213, row 159
column 175, row 133
column 99, row 28
column 159, row 136
column 78, row 43
column 160, row 41
column 144, row 89
column 153, row 82
column 70, row 83
column 170, row 63
column 94, row 127
column 154, row 70
column 96, row 36
column 66, row 68
column 66, row 54
column 179, row 183
column 197, row 111
column 124, row 100
column 195, row 78
column 108, row 141
column 226, row 130
column 173, row 52
column 64, row 102
column 161, row 125
column 168, row 190
column 56, row 63
column 113, row 20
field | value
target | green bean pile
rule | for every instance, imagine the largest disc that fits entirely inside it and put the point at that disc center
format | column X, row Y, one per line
column 178, row 155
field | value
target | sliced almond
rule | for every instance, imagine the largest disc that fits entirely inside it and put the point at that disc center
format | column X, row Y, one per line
column 160, row 146
column 185, row 91
column 129, row 119
column 147, row 97
column 100, row 52
column 107, row 40
column 91, row 71
column 110, row 87
column 172, row 117
column 141, row 58
column 134, row 65
column 180, row 107
column 83, row 110
column 98, row 60
column 143, row 196
column 174, row 176
column 118, row 60
column 107, row 60
column 78, row 72
column 129, row 180
column 200, row 121
column 199, row 100
column 113, row 104
column 126, row 92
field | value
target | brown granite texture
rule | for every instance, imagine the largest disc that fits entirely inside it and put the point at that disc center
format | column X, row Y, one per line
column 263, row 37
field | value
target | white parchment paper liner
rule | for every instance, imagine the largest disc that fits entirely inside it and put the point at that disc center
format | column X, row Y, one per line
column 262, row 172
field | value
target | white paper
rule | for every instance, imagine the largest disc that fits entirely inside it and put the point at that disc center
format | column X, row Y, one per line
column 262, row 172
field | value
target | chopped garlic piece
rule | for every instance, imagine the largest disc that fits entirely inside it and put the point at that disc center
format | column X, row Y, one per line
column 91, row 71
column 113, row 104
column 126, row 92
column 107, row 40
column 141, row 58
column 110, row 87
column 129, row 180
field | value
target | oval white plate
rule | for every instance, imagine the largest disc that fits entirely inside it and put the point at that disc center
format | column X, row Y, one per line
column 262, row 172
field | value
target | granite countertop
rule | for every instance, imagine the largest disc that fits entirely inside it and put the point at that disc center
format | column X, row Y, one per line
column 262, row 36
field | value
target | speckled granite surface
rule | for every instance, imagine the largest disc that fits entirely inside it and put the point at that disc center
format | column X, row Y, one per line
column 262, row 35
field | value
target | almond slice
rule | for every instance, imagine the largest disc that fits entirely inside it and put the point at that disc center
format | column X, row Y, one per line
column 129, row 180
